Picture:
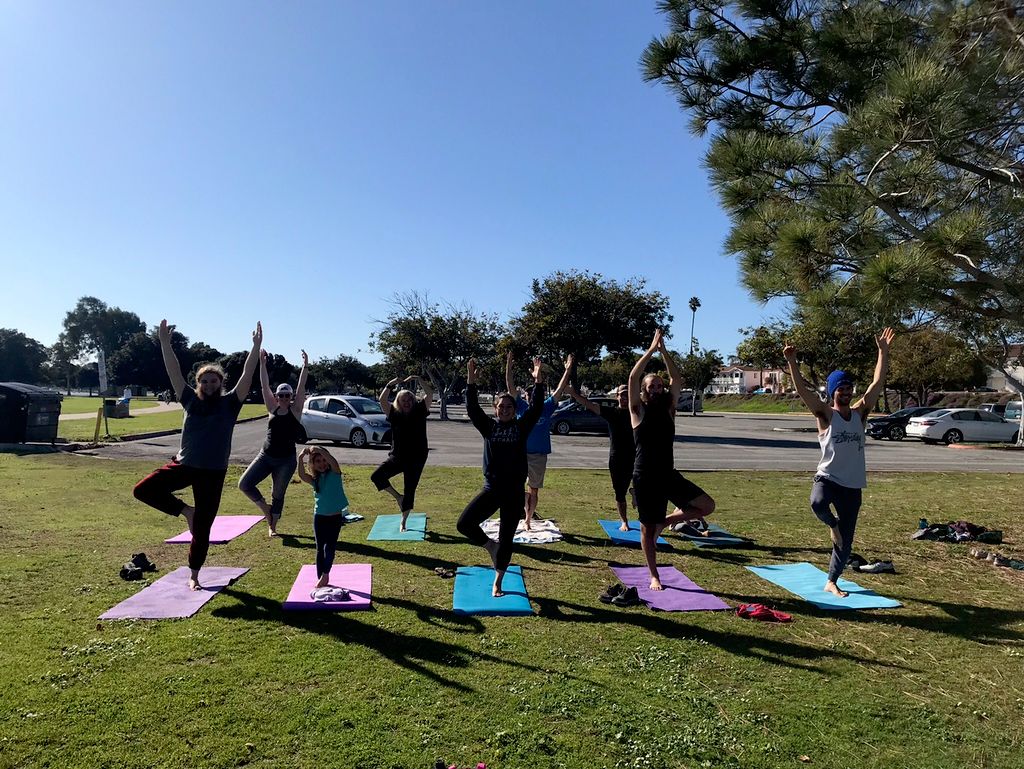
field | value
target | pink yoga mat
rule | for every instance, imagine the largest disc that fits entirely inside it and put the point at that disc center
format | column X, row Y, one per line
column 354, row 577
column 170, row 596
column 680, row 593
column 225, row 528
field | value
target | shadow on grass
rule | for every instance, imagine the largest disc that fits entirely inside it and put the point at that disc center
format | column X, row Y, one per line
column 777, row 652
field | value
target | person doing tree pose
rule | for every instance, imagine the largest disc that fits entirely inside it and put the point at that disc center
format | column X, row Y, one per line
column 408, row 417
column 538, row 445
column 329, row 506
column 202, row 459
column 652, row 411
column 277, row 457
column 504, row 468
column 621, row 448
column 842, row 473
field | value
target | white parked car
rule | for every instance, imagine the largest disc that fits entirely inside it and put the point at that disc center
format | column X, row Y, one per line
column 959, row 425
column 352, row 418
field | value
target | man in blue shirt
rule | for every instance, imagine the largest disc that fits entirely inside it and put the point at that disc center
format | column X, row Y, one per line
column 538, row 445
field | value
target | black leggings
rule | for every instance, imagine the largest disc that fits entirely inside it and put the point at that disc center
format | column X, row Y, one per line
column 826, row 494
column 411, row 470
column 157, row 488
column 622, row 475
column 482, row 507
column 326, row 529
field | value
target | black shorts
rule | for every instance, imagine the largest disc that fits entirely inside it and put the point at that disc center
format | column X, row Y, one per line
column 653, row 493
column 622, row 475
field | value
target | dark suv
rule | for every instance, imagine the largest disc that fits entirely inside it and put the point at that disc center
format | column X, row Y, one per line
column 894, row 426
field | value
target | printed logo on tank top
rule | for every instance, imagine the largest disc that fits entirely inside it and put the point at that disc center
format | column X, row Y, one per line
column 844, row 436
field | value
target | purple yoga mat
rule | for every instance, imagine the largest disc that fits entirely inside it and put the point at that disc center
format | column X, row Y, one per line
column 680, row 593
column 354, row 577
column 225, row 528
column 170, row 597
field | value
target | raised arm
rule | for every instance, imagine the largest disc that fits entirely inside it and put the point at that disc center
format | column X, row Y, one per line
column 303, row 472
column 241, row 390
column 675, row 377
column 509, row 383
column 636, row 377
column 385, row 397
column 532, row 415
column 874, row 391
column 480, row 420
column 584, row 401
column 428, row 390
column 822, row 411
column 564, row 381
column 171, row 360
column 268, row 395
column 300, row 388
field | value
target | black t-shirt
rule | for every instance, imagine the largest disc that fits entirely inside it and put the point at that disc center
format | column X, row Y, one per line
column 620, row 432
column 282, row 434
column 504, row 442
column 409, row 431
column 654, row 436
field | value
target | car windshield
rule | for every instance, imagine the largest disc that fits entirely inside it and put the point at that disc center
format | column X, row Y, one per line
column 365, row 406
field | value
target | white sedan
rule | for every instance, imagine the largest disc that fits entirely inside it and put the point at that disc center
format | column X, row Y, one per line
column 959, row 425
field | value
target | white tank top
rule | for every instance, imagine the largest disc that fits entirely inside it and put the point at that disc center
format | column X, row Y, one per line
column 842, row 451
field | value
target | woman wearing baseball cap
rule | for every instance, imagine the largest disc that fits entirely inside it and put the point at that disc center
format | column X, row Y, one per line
column 277, row 457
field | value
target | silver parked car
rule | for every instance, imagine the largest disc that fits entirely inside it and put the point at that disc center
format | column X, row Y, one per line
column 355, row 419
column 960, row 425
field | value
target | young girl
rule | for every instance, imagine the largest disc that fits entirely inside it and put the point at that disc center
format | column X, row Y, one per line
column 324, row 475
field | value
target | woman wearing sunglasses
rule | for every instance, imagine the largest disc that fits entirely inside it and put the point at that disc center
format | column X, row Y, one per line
column 277, row 457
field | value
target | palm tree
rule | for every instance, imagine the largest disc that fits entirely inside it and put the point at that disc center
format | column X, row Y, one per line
column 694, row 304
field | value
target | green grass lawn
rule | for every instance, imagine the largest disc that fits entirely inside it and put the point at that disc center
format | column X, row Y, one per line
column 84, row 429
column 937, row 683
column 81, row 404
column 755, row 404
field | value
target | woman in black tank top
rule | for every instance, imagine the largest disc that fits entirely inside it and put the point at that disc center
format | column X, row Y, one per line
column 277, row 457
column 652, row 409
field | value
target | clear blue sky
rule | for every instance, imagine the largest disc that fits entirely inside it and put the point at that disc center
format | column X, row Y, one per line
column 299, row 163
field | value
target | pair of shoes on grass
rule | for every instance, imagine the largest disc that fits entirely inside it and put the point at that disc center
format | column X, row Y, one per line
column 444, row 573
column 620, row 595
column 134, row 569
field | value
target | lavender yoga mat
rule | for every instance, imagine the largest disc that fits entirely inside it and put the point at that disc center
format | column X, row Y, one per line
column 354, row 577
column 225, row 528
column 170, row 597
column 680, row 593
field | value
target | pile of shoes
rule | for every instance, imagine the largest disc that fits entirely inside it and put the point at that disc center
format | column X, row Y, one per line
column 958, row 531
column 620, row 595
column 136, row 567
column 861, row 564
column 997, row 559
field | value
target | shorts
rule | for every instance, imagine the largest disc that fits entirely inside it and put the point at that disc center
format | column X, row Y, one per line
column 654, row 493
column 536, row 465
column 622, row 475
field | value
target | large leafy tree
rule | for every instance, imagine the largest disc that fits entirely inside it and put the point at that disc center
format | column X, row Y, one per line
column 698, row 369
column 21, row 357
column 340, row 374
column 92, row 325
column 435, row 340
column 139, row 361
column 930, row 360
column 870, row 155
column 585, row 313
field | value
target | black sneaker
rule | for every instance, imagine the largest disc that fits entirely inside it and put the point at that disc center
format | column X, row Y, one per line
column 130, row 572
column 628, row 597
column 140, row 560
column 610, row 592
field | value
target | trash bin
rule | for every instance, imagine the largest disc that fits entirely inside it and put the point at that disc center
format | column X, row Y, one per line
column 109, row 408
column 28, row 413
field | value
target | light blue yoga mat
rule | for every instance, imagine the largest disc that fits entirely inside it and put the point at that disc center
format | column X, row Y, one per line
column 717, row 537
column 386, row 527
column 808, row 582
column 631, row 537
column 473, row 592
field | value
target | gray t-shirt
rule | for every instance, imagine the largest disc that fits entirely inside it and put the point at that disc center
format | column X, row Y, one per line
column 206, row 430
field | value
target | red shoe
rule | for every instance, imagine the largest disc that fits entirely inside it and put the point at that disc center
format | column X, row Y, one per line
column 761, row 612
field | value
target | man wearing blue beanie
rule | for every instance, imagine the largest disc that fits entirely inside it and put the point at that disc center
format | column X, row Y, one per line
column 842, row 473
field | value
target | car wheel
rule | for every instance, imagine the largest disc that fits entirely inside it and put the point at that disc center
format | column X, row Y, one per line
column 358, row 439
column 953, row 436
column 562, row 427
column 897, row 433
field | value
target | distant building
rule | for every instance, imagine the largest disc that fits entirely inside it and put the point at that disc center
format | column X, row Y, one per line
column 997, row 379
column 740, row 380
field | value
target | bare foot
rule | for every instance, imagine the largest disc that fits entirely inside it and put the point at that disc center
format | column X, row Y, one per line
column 656, row 584
column 324, row 580
column 193, row 581
column 271, row 532
column 188, row 513
column 405, row 518
column 624, row 526
column 496, row 591
column 529, row 519
column 492, row 550
column 832, row 587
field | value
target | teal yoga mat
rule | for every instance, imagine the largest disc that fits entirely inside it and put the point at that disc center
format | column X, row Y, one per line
column 631, row 537
column 472, row 593
column 386, row 527
column 808, row 581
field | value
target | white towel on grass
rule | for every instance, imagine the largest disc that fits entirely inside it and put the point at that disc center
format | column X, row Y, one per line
column 541, row 532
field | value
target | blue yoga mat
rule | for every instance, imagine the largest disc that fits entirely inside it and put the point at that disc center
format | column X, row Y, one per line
column 718, row 537
column 386, row 527
column 631, row 537
column 808, row 582
column 473, row 592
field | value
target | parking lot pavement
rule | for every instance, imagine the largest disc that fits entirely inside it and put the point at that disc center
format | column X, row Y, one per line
column 704, row 442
